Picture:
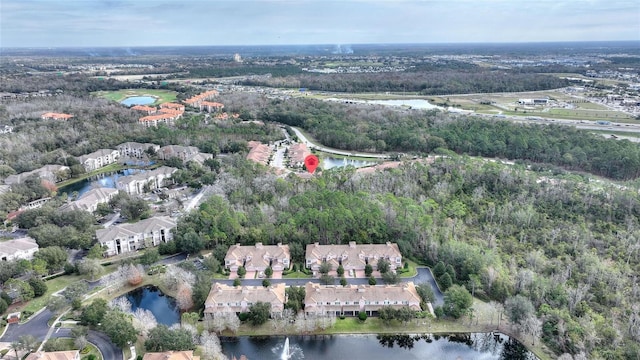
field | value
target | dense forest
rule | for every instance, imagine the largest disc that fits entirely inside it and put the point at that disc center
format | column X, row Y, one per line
column 375, row 128
column 422, row 82
column 566, row 246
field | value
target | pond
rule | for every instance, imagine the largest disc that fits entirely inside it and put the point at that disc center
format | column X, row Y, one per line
column 151, row 298
column 138, row 100
column 329, row 162
column 484, row 346
column 107, row 180
column 408, row 103
column 411, row 103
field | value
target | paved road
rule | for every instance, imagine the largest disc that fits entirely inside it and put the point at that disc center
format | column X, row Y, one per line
column 423, row 276
column 37, row 327
column 311, row 145
column 113, row 219
column 108, row 349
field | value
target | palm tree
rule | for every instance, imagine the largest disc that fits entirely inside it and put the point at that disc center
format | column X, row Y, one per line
column 15, row 345
column 28, row 342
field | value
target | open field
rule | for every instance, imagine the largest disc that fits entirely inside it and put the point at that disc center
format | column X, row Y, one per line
column 506, row 104
column 162, row 96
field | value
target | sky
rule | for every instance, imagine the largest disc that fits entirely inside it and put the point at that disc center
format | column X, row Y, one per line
column 127, row 23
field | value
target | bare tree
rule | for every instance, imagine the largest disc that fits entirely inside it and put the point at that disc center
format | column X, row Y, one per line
column 80, row 342
column 121, row 303
column 183, row 296
column 532, row 326
column 211, row 349
column 176, row 275
column 144, row 320
column 134, row 275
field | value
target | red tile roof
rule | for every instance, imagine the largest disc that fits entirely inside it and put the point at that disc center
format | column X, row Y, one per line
column 56, row 116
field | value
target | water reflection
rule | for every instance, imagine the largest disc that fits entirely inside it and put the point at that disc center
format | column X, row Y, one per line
column 394, row 346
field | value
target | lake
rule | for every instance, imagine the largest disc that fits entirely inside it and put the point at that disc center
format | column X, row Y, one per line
column 151, row 298
column 329, row 162
column 138, row 100
column 412, row 103
column 409, row 103
column 107, row 180
column 482, row 346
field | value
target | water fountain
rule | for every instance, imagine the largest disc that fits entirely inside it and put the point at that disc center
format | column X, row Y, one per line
column 286, row 353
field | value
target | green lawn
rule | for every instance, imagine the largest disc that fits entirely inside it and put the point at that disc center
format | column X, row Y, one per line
column 53, row 285
column 296, row 275
column 412, row 269
column 162, row 96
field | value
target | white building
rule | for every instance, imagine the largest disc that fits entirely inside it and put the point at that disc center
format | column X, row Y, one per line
column 149, row 180
column 22, row 248
column 98, row 159
column 51, row 173
column 136, row 150
column 90, row 200
column 126, row 238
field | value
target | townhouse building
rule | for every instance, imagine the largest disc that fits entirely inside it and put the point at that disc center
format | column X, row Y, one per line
column 352, row 256
column 224, row 299
column 258, row 257
column 352, row 299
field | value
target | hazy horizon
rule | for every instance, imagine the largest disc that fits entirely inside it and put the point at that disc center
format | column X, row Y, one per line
column 152, row 23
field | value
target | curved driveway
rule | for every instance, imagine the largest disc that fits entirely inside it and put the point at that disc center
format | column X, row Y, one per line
column 37, row 326
column 108, row 349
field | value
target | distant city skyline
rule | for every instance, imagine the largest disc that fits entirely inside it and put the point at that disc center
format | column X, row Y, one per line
column 128, row 23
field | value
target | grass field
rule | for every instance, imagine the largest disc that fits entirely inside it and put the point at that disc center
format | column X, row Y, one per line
column 162, row 96
column 53, row 286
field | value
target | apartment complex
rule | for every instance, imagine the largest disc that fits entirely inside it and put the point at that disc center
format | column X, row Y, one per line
column 224, row 299
column 124, row 238
column 90, row 200
column 197, row 100
column 258, row 257
column 352, row 299
column 297, row 153
column 145, row 181
column 98, row 159
column 18, row 249
column 352, row 256
column 258, row 152
column 136, row 150
column 51, row 173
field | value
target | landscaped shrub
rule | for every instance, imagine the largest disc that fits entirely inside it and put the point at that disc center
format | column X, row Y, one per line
column 26, row 314
column 243, row 316
column 362, row 316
